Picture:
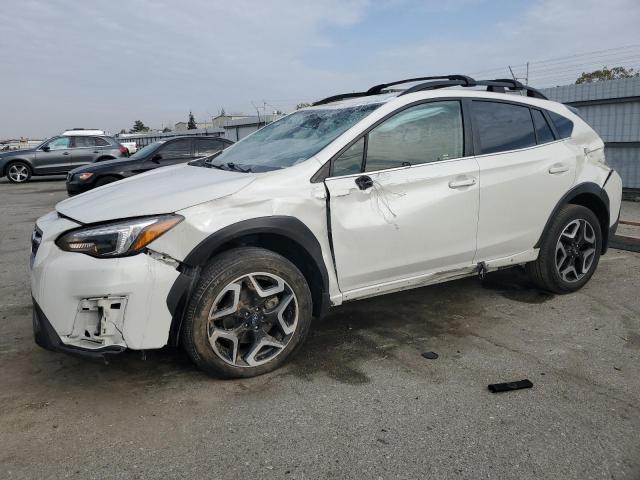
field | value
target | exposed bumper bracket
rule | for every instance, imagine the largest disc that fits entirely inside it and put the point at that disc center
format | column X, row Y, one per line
column 46, row 336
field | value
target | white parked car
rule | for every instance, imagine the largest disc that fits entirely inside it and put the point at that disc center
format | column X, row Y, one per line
column 361, row 194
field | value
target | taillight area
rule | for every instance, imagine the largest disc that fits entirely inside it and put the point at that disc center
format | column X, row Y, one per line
column 124, row 150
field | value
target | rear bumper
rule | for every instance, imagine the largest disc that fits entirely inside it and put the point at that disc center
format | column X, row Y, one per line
column 46, row 337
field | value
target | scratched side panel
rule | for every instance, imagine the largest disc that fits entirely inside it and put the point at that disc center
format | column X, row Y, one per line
column 410, row 222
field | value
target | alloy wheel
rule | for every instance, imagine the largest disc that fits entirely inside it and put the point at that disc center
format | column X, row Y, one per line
column 575, row 250
column 18, row 173
column 252, row 319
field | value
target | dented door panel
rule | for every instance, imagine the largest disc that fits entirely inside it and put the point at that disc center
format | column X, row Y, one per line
column 413, row 221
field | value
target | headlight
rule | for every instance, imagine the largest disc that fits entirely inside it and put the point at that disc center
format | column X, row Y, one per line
column 85, row 176
column 117, row 239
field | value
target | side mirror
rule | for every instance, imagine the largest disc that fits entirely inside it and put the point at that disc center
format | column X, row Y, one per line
column 46, row 148
column 156, row 158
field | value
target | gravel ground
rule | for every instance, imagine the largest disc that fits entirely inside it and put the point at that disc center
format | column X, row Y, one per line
column 359, row 401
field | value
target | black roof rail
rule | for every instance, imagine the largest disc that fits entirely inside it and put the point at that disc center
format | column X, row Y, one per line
column 467, row 81
column 436, row 84
column 377, row 89
column 442, row 81
column 499, row 84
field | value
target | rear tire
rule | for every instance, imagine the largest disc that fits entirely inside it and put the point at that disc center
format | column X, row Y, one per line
column 569, row 252
column 18, row 172
column 250, row 311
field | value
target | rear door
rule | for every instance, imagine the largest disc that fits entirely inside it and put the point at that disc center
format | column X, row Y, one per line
column 404, row 200
column 84, row 150
column 524, row 172
column 55, row 156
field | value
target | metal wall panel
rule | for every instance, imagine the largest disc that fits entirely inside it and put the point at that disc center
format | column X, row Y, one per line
column 626, row 161
column 614, row 122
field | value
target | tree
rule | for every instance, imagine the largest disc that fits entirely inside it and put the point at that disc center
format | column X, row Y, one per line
column 138, row 127
column 123, row 131
column 606, row 74
column 222, row 112
column 191, row 125
column 302, row 105
column 166, row 130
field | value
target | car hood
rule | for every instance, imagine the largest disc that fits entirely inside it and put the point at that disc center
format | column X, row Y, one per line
column 163, row 190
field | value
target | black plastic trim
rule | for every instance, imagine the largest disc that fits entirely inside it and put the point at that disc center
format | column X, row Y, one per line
column 46, row 337
column 588, row 187
column 179, row 295
column 285, row 226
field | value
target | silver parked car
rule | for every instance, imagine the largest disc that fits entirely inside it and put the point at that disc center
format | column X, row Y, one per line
column 59, row 155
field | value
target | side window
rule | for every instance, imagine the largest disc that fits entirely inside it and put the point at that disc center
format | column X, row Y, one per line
column 100, row 142
column 563, row 125
column 83, row 142
column 209, row 146
column 543, row 131
column 176, row 149
column 59, row 143
column 429, row 132
column 350, row 161
column 502, row 126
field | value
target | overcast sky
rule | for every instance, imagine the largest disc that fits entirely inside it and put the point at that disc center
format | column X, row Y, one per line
column 67, row 64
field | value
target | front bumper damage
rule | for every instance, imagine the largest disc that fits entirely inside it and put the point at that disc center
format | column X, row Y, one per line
column 47, row 337
column 91, row 306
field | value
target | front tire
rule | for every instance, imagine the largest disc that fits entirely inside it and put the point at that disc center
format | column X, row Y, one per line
column 19, row 172
column 250, row 311
column 569, row 252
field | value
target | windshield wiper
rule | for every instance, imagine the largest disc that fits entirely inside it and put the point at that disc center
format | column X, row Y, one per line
column 214, row 165
column 237, row 168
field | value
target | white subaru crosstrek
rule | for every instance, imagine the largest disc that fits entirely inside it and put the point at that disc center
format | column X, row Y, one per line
column 361, row 194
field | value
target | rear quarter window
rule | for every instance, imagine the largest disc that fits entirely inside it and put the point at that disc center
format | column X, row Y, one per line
column 101, row 142
column 563, row 125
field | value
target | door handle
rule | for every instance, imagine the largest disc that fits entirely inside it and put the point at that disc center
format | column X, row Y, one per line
column 558, row 168
column 364, row 182
column 462, row 182
column 65, row 153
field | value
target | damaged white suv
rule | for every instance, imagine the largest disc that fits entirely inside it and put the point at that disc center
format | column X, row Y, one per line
column 361, row 194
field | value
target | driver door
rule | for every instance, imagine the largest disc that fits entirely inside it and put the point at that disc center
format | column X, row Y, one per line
column 404, row 202
column 55, row 156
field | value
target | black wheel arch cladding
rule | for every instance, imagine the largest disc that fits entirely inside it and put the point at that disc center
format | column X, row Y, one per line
column 285, row 235
column 591, row 196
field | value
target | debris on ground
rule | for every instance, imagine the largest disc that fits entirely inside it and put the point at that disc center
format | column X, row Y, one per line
column 507, row 386
column 430, row 355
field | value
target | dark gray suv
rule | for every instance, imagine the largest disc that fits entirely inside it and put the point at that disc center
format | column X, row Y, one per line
column 58, row 155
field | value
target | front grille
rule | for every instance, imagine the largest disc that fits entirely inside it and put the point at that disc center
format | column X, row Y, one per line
column 36, row 239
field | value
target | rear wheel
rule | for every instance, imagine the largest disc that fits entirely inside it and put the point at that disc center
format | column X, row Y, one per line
column 570, row 251
column 251, row 309
column 19, row 172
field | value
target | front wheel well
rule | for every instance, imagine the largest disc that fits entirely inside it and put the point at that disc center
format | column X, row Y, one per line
column 289, row 249
column 597, row 206
column 104, row 158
